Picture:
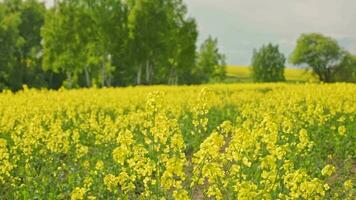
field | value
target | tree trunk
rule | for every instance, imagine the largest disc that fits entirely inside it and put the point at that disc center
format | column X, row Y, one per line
column 152, row 74
column 176, row 78
column 328, row 76
column 109, row 72
column 69, row 78
column 148, row 73
column 138, row 77
column 103, row 75
column 171, row 77
column 87, row 77
column 50, row 81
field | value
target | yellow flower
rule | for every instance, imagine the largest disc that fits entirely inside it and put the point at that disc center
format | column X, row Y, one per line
column 348, row 185
column 246, row 162
column 111, row 182
column 181, row 195
column 215, row 192
column 304, row 140
column 328, row 170
column 268, row 150
column 86, row 164
column 99, row 165
column 120, row 154
column 78, row 193
column 91, row 198
column 88, row 182
column 248, row 191
column 5, row 160
column 326, row 186
column 81, row 151
column 342, row 130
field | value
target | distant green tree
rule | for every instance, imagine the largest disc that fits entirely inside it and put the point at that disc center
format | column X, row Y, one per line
column 268, row 64
column 84, row 39
column 82, row 43
column 32, row 14
column 63, row 47
column 148, row 28
column 157, row 49
column 10, row 43
column 346, row 70
column 108, row 41
column 320, row 53
column 185, row 53
column 211, row 64
column 20, row 41
column 180, row 45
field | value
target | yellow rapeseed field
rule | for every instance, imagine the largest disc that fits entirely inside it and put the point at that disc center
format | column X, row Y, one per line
column 243, row 74
column 238, row 141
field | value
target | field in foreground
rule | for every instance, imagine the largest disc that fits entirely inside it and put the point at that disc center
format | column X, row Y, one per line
column 268, row 141
column 243, row 74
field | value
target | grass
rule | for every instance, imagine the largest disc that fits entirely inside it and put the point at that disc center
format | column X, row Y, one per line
column 243, row 74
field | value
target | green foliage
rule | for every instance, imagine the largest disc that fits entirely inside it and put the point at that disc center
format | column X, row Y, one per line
column 268, row 64
column 76, row 42
column 84, row 43
column 109, row 27
column 161, row 52
column 112, row 42
column 211, row 64
column 146, row 33
column 10, row 43
column 322, row 54
column 32, row 15
column 185, row 54
column 87, row 43
column 346, row 70
column 20, row 46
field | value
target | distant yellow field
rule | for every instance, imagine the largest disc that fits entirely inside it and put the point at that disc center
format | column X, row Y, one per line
column 243, row 74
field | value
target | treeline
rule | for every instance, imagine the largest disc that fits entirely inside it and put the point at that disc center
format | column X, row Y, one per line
column 85, row 43
column 318, row 53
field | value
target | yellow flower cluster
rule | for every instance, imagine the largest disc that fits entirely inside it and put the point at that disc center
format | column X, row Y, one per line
column 78, row 194
column 6, row 166
column 238, row 141
column 150, row 154
column 328, row 170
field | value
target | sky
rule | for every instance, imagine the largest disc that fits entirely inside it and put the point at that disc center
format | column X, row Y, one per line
column 242, row 25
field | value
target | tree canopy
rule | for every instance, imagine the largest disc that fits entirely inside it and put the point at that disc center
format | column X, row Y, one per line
column 20, row 43
column 211, row 64
column 346, row 70
column 268, row 64
column 85, row 43
column 320, row 53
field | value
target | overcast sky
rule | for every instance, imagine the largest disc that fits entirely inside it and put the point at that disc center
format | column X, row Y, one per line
column 242, row 25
